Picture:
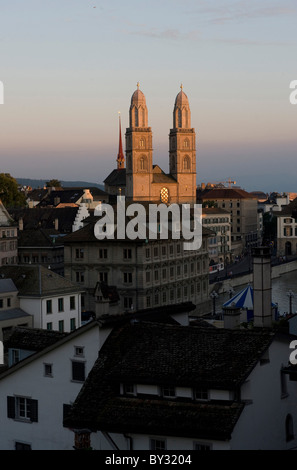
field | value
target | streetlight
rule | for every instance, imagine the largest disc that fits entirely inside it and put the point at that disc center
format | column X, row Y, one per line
column 290, row 294
column 230, row 292
column 214, row 296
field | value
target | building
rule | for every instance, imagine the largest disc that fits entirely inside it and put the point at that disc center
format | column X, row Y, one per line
column 176, row 388
column 243, row 208
column 11, row 314
column 53, row 301
column 46, row 372
column 287, row 230
column 8, row 238
column 141, row 180
column 219, row 245
column 148, row 273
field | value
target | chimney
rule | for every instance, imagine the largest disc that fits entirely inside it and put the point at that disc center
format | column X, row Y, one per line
column 263, row 315
column 21, row 224
column 232, row 317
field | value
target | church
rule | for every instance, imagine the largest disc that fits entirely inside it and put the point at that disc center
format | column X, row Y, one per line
column 141, row 180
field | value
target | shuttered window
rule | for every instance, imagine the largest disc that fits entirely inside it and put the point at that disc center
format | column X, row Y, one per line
column 22, row 408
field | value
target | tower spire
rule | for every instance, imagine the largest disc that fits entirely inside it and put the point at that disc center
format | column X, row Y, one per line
column 121, row 157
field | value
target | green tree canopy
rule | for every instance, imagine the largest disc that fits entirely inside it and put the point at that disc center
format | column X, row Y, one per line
column 53, row 184
column 9, row 192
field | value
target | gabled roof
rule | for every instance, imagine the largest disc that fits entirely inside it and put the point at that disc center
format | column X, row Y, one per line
column 7, row 285
column 38, row 281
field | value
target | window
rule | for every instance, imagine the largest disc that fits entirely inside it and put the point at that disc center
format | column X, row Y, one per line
column 61, row 304
column 128, row 302
column 157, row 444
column 103, row 277
column 164, row 273
column 49, row 306
column 129, row 389
column 198, row 446
column 156, row 275
column 1, row 303
column 49, row 326
column 156, row 299
column 22, row 408
column 8, row 302
column 72, row 303
column 147, row 253
column 79, row 253
column 61, row 326
column 15, row 353
column 22, row 446
column 102, row 253
column 163, row 250
column 164, row 297
column 187, row 163
column 127, row 278
column 148, row 276
column 79, row 276
column 289, row 428
column 168, row 392
column 78, row 371
column 127, row 253
column 72, row 324
column 66, row 410
column 164, row 195
column 48, row 370
column 156, row 252
column 201, row 394
column 79, row 351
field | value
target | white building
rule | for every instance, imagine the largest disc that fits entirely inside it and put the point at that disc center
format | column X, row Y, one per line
column 185, row 388
column 8, row 238
column 53, row 301
column 46, row 373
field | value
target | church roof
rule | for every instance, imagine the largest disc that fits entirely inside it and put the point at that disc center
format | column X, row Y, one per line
column 116, row 178
column 181, row 100
column 138, row 97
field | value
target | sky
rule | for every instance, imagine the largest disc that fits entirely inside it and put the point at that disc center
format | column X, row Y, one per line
column 69, row 66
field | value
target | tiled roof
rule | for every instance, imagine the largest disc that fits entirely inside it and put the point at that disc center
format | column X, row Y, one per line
column 39, row 238
column 44, row 217
column 162, row 354
column 32, row 339
column 224, row 193
column 37, row 281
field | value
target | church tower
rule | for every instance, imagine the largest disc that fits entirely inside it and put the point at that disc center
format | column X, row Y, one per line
column 182, row 150
column 139, row 151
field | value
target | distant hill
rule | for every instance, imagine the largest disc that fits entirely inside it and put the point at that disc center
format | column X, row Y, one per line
column 65, row 184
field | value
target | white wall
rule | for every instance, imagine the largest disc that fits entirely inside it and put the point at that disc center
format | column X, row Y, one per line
column 262, row 423
column 29, row 381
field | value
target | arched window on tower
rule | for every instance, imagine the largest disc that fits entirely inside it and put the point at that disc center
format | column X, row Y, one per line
column 186, row 144
column 136, row 117
column 179, row 118
column 142, row 143
column 187, row 163
column 142, row 164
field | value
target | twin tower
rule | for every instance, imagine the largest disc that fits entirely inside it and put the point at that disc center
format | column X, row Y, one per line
column 148, row 182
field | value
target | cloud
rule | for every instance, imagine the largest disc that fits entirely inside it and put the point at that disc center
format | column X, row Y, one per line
column 171, row 34
column 235, row 11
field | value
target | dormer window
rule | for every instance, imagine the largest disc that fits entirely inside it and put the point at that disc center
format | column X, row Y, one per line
column 129, row 389
column 201, row 394
column 168, row 391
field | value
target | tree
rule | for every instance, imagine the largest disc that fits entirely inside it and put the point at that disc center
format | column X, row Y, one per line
column 53, row 184
column 9, row 192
